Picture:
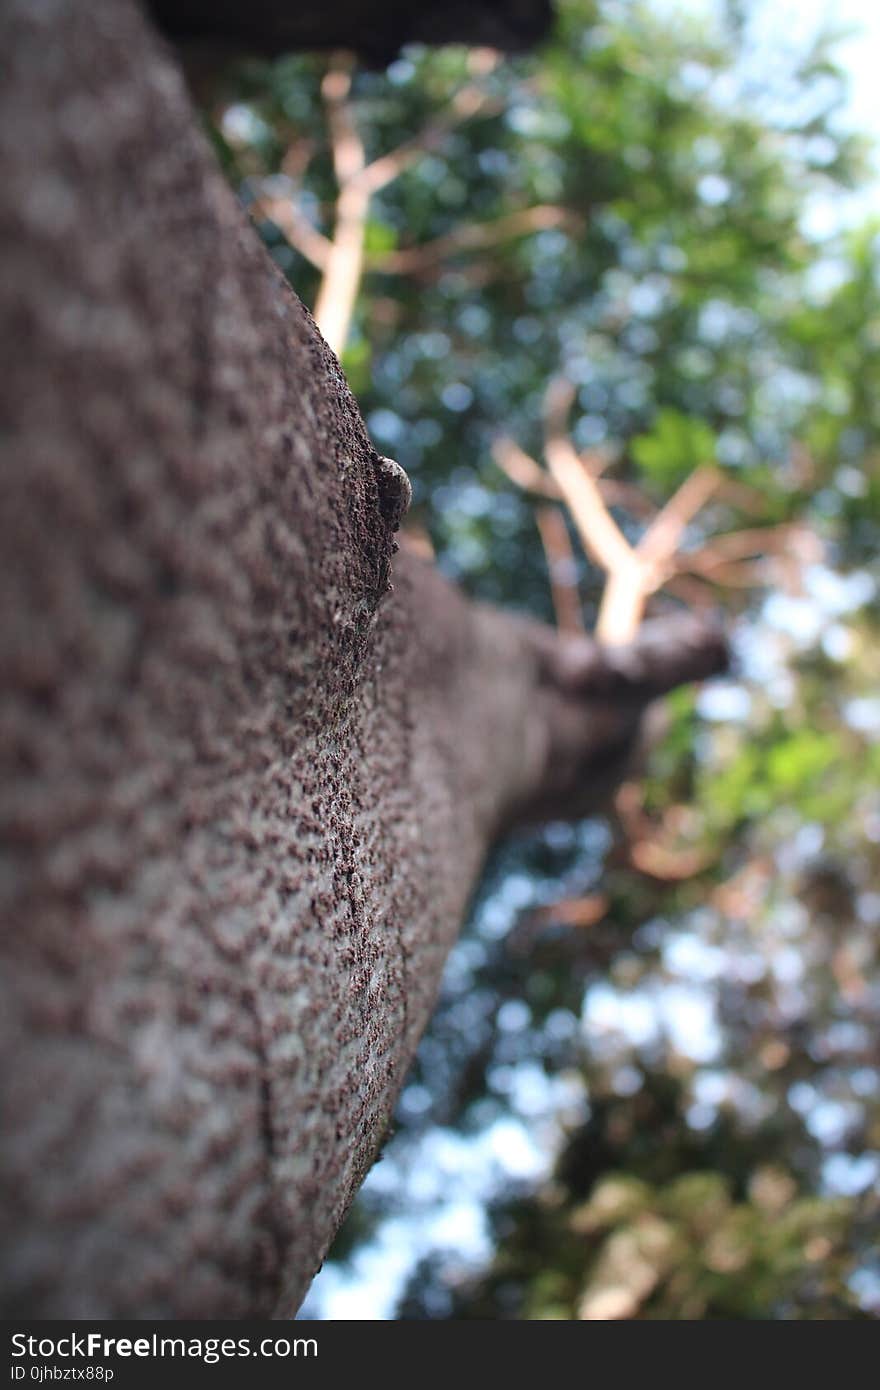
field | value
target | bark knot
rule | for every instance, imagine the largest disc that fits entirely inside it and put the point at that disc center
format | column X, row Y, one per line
column 395, row 491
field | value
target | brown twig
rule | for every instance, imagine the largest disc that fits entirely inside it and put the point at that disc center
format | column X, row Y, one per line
column 755, row 542
column 562, row 568
column 523, row 470
column 470, row 100
column 692, row 589
column 573, row 912
column 416, row 538
column 644, row 842
column 297, row 228
column 616, row 493
column 475, row 236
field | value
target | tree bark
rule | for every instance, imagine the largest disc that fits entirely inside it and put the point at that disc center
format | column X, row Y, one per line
column 246, row 788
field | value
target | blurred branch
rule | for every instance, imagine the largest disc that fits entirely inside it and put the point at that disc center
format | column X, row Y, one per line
column 755, row 542
column 297, row 228
column 528, row 474
column 470, row 100
column 739, row 559
column 624, row 597
column 562, row 568
column 619, row 494
column 341, row 259
column 633, row 572
column 343, row 268
column 475, row 236
column 573, row 912
column 522, row 469
column 416, row 538
column 692, row 589
column 647, row 844
column 663, row 537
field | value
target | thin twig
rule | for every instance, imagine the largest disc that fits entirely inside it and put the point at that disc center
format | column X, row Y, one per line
column 730, row 574
column 562, row 568
column 692, row 589
column 471, row 100
column 584, row 912
column 474, row 236
column 754, row 542
column 619, row 494
column 297, row 229
column 523, row 470
column 647, row 849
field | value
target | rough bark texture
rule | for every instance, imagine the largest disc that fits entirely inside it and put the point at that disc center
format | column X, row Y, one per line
column 245, row 793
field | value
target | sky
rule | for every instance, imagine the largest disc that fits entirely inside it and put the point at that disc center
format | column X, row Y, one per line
column 784, row 22
column 861, row 53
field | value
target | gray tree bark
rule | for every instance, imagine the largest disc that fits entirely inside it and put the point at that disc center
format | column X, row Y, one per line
column 246, row 787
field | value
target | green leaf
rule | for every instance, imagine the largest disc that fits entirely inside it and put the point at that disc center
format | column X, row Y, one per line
column 379, row 238
column 674, row 448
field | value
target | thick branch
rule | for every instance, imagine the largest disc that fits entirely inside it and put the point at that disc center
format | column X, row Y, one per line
column 625, row 592
column 337, row 296
column 663, row 537
column 599, row 531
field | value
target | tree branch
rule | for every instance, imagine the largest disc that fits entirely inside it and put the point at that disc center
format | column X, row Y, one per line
column 647, row 844
column 562, row 568
column 297, row 228
column 523, row 470
column 753, row 543
column 528, row 474
column 475, row 236
column 625, row 592
column 341, row 259
column 660, row 542
column 471, row 100
column 334, row 306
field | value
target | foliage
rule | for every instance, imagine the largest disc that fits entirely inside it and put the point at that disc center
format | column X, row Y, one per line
column 701, row 1061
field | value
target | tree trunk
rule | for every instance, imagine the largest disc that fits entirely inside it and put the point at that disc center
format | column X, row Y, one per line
column 246, row 789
